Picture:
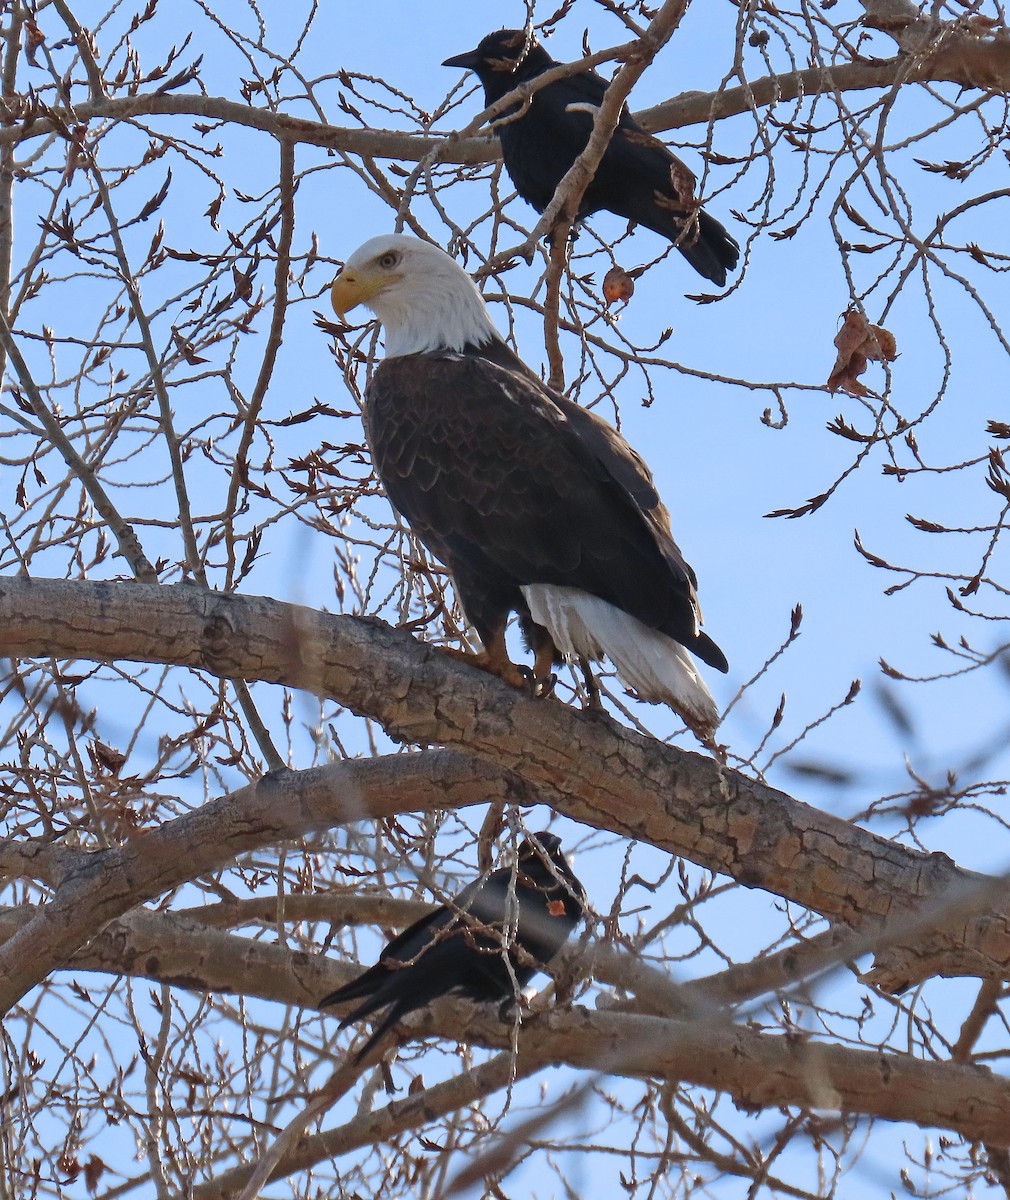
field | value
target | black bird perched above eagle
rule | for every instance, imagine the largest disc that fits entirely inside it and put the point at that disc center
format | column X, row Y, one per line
column 461, row 947
column 638, row 177
column 535, row 505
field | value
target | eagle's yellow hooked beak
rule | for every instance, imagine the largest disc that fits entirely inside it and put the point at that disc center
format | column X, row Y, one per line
column 345, row 293
column 354, row 286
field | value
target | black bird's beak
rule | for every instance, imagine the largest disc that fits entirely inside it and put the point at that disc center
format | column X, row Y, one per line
column 467, row 61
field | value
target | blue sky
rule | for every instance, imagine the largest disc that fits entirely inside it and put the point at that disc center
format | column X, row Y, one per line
column 719, row 467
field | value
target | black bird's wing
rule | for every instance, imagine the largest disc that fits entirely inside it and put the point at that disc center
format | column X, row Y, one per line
column 511, row 485
column 402, row 948
column 420, row 964
column 540, row 146
column 458, row 947
column 639, row 178
column 402, row 953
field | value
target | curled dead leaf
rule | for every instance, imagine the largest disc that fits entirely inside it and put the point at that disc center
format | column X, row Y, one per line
column 980, row 24
column 683, row 181
column 106, row 758
column 858, row 342
column 618, row 284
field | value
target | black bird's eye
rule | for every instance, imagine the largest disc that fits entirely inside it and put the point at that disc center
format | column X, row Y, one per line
column 388, row 260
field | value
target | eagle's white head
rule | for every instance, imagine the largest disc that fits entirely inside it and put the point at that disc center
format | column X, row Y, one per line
column 424, row 299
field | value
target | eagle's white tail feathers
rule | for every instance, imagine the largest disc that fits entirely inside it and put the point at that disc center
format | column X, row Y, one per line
column 657, row 667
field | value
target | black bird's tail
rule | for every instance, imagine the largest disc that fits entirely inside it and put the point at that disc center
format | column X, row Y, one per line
column 650, row 195
column 709, row 248
column 374, row 1000
column 366, row 984
column 703, row 646
column 396, row 1011
column 706, row 244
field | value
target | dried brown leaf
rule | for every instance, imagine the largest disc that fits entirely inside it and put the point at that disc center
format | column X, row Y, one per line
column 857, row 343
column 618, row 284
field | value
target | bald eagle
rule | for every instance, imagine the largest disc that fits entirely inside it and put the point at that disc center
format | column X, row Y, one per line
column 535, row 505
column 638, row 177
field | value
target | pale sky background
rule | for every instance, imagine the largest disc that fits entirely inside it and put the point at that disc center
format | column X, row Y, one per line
column 718, row 467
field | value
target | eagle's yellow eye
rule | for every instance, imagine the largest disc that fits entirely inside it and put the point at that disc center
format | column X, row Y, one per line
column 388, row 260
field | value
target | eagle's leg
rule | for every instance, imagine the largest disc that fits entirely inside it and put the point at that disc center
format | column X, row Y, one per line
column 494, row 658
column 593, row 701
column 545, row 654
column 507, row 1008
column 544, row 678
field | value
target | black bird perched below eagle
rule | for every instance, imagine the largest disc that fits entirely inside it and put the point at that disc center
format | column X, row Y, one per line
column 461, row 947
column 535, row 505
column 638, row 178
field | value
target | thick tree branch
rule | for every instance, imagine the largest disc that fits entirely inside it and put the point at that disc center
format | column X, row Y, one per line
column 177, row 948
column 758, row 1069
column 590, row 768
column 93, row 888
column 970, row 62
column 337, row 908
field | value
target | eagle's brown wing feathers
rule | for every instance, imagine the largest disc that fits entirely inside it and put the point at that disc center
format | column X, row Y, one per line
column 509, row 485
